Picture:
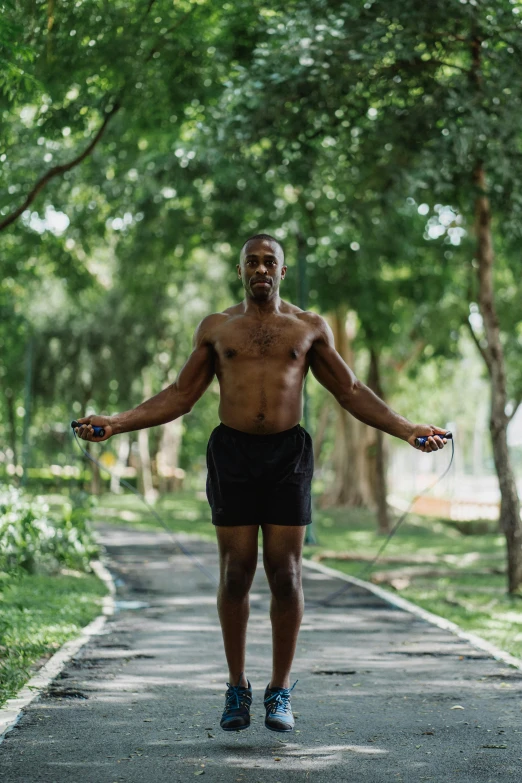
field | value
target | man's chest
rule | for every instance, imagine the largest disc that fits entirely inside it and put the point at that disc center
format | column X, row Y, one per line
column 284, row 338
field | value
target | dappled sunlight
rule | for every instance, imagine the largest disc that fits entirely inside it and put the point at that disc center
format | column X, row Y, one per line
column 299, row 757
column 199, row 600
column 376, row 685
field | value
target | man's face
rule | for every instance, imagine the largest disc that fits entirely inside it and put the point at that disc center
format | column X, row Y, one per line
column 261, row 268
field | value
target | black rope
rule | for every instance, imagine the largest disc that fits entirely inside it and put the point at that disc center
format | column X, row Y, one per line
column 186, row 551
column 365, row 570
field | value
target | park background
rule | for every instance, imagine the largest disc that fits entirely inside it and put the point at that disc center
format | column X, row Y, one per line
column 140, row 144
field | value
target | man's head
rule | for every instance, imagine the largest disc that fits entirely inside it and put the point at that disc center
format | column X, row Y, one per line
column 262, row 259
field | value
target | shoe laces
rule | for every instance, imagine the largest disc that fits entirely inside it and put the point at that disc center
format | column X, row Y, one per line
column 279, row 701
column 235, row 696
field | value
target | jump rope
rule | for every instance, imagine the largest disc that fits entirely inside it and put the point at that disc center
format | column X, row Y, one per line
column 99, row 432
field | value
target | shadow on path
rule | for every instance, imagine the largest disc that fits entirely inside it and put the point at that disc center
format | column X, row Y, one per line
column 375, row 699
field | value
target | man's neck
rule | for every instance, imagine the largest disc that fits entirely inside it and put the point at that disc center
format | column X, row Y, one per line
column 262, row 309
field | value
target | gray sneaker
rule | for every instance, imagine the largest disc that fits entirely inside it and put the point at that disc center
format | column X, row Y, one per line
column 278, row 710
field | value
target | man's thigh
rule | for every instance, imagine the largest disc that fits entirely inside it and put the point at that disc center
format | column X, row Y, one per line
column 237, row 545
column 283, row 546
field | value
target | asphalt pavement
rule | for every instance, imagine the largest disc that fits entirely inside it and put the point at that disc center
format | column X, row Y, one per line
column 382, row 696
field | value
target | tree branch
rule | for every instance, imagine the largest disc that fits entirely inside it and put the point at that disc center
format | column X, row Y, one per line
column 170, row 30
column 400, row 366
column 483, row 351
column 56, row 171
column 516, row 406
column 432, row 61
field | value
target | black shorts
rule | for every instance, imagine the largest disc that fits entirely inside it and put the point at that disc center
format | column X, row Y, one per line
column 254, row 479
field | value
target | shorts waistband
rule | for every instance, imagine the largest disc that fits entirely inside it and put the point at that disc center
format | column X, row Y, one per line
column 273, row 436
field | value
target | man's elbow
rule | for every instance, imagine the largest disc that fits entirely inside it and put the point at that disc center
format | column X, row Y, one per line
column 182, row 401
column 186, row 404
column 349, row 393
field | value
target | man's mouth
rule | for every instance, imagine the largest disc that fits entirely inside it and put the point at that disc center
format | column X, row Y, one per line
column 261, row 282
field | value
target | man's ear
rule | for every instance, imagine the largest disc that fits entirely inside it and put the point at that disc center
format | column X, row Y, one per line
column 283, row 272
column 238, row 267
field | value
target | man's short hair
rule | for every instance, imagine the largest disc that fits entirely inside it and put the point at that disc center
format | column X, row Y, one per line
column 263, row 236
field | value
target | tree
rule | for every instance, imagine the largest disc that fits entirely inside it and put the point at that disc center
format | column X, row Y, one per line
column 420, row 100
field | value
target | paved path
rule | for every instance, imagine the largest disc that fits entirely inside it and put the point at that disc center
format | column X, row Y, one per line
column 374, row 699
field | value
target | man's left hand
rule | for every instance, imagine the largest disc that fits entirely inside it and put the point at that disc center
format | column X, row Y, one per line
column 436, row 439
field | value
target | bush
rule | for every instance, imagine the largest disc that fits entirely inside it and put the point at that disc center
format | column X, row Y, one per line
column 37, row 540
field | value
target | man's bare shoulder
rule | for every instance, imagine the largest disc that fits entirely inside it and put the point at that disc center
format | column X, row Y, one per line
column 289, row 309
column 237, row 309
column 206, row 329
column 314, row 321
column 305, row 316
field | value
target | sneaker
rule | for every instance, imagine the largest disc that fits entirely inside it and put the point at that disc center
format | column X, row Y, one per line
column 278, row 710
column 236, row 715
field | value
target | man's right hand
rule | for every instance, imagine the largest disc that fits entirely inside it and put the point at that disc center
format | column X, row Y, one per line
column 85, row 430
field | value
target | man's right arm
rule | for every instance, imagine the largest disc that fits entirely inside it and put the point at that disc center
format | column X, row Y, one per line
column 174, row 401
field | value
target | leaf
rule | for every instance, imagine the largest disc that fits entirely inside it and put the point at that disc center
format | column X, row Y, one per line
column 500, row 747
column 456, row 707
column 200, row 772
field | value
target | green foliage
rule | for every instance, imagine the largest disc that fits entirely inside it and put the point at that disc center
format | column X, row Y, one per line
column 39, row 613
column 348, row 130
column 34, row 539
column 14, row 53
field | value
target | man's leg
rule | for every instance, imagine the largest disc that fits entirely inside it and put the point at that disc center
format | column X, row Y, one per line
column 282, row 548
column 238, row 562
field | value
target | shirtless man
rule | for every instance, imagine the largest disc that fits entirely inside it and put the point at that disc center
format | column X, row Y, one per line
column 259, row 459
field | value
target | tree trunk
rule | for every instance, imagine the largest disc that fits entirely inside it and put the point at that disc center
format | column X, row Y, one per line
column 96, row 484
column 351, row 485
column 122, row 459
column 146, row 473
column 320, row 430
column 167, row 459
column 11, row 419
column 143, row 445
column 380, row 486
column 493, row 355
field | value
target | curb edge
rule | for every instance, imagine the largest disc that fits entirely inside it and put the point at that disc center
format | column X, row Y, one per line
column 12, row 710
column 434, row 619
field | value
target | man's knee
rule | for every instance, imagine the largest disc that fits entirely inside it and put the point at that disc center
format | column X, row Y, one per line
column 285, row 581
column 236, row 580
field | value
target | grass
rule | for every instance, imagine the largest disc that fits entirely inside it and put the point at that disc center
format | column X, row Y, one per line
column 476, row 603
column 38, row 613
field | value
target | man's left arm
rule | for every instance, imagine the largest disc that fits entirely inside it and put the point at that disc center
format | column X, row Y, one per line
column 333, row 373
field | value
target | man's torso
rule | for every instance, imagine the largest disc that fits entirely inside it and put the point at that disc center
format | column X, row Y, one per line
column 261, row 364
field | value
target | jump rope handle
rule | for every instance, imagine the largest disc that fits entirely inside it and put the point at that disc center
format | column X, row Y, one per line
column 99, row 432
column 422, row 441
